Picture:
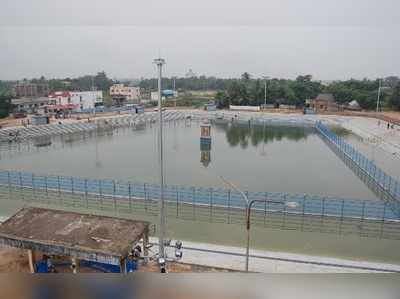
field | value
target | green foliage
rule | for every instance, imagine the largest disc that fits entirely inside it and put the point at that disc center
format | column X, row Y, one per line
column 5, row 98
column 365, row 92
column 99, row 81
column 394, row 99
column 221, row 100
column 241, row 135
column 187, row 101
column 251, row 92
column 5, row 105
column 193, row 83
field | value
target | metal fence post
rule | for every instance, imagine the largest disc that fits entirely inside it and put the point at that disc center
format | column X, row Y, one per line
column 177, row 202
column 47, row 193
column 383, row 219
column 265, row 208
column 20, row 179
column 194, row 203
column 341, row 217
column 101, row 194
column 303, row 212
column 362, row 217
column 323, row 213
column 211, row 205
column 284, row 212
column 130, row 196
column 115, row 200
column 9, row 185
column 145, row 196
column 33, row 186
column 229, row 206
column 20, row 185
column 59, row 187
column 86, row 194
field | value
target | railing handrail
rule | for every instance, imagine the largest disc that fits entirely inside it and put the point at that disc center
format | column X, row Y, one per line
column 385, row 181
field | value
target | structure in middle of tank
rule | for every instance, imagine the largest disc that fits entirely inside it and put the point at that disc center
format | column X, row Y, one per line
column 205, row 143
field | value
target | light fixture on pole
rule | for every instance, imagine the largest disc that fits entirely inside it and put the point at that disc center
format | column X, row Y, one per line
column 265, row 90
column 379, row 96
column 160, row 62
column 249, row 204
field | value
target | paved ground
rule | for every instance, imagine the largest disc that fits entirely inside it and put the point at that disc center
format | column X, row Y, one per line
column 13, row 260
column 191, row 256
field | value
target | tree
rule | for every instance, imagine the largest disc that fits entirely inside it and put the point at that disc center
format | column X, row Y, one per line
column 246, row 76
column 222, row 100
column 394, row 99
column 5, row 105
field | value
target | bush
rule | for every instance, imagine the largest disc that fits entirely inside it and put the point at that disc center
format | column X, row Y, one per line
column 5, row 105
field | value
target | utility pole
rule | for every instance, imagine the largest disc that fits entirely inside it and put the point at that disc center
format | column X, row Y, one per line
column 160, row 62
column 379, row 96
column 265, row 91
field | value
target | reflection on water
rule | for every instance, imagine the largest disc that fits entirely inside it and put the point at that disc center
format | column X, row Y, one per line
column 243, row 135
column 205, row 152
column 42, row 141
column 256, row 158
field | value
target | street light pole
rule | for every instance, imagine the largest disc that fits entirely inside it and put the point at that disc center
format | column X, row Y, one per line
column 379, row 96
column 249, row 204
column 265, row 90
column 160, row 62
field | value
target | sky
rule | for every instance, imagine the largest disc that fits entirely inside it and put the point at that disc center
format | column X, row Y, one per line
column 336, row 39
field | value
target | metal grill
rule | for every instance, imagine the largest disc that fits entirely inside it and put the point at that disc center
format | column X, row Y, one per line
column 331, row 215
column 383, row 180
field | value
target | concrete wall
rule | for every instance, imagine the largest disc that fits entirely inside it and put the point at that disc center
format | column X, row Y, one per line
column 247, row 108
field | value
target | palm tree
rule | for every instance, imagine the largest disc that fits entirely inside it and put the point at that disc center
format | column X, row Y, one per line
column 246, row 76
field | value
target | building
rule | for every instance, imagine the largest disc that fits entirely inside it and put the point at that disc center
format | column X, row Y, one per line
column 166, row 94
column 190, row 74
column 210, row 106
column 26, row 89
column 122, row 94
column 75, row 101
column 324, row 102
column 30, row 105
column 87, row 241
column 353, row 105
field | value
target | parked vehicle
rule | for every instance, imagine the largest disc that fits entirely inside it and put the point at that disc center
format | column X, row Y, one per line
column 20, row 114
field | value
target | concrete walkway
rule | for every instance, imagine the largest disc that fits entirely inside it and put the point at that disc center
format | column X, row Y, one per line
column 272, row 262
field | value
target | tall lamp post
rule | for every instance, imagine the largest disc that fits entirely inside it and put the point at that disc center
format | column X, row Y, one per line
column 265, row 90
column 379, row 96
column 249, row 204
column 160, row 62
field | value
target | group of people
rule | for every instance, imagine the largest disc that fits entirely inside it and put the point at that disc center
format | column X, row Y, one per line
column 25, row 123
column 389, row 125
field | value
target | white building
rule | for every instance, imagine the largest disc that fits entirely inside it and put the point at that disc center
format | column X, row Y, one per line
column 76, row 100
column 131, row 94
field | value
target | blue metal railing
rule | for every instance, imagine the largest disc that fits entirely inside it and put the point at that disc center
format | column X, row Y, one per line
column 121, row 191
column 383, row 180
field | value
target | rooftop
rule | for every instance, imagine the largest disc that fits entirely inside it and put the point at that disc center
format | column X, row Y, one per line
column 96, row 238
column 325, row 97
column 21, row 101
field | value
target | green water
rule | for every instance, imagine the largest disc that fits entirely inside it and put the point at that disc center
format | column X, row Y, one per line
column 270, row 158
